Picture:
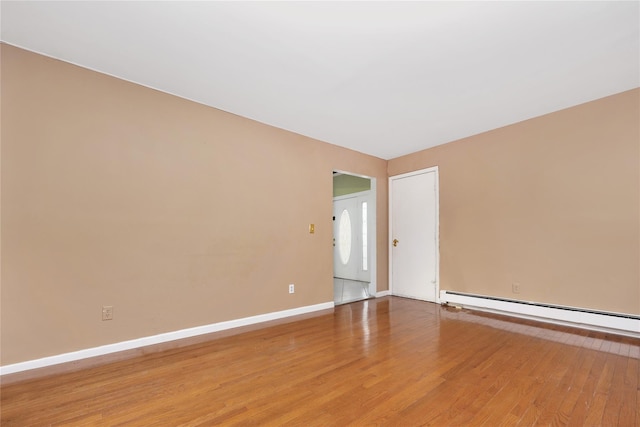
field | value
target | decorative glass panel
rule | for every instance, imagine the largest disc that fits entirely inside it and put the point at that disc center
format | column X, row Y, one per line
column 344, row 238
column 365, row 263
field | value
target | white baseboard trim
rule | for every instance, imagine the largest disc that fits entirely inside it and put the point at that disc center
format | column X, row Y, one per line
column 383, row 294
column 158, row 339
column 618, row 323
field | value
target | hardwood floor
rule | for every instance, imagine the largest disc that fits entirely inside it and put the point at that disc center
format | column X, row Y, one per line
column 388, row 361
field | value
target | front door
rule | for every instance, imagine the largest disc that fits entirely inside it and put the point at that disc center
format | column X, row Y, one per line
column 345, row 227
column 351, row 235
column 414, row 235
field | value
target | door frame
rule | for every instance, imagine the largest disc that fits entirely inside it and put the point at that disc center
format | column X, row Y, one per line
column 373, row 229
column 437, row 220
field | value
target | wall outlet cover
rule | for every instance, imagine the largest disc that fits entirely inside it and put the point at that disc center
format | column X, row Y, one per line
column 107, row 312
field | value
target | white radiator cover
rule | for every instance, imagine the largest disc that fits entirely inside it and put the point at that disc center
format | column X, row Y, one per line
column 618, row 323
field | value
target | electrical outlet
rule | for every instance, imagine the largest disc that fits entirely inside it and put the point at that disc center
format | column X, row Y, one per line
column 107, row 312
column 292, row 288
column 515, row 288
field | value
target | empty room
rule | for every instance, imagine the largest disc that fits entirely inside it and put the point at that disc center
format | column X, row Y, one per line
column 319, row 213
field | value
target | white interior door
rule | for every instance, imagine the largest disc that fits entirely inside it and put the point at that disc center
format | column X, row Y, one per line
column 414, row 235
column 351, row 231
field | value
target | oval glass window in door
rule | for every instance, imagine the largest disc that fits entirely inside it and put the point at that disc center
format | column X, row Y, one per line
column 344, row 237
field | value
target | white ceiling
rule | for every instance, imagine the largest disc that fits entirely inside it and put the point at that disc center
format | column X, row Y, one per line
column 383, row 78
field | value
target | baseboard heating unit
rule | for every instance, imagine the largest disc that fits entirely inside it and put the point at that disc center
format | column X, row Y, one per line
column 619, row 323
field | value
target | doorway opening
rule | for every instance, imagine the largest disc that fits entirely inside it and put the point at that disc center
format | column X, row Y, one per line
column 354, row 237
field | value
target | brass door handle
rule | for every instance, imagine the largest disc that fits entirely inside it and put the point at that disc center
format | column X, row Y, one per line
column 395, row 242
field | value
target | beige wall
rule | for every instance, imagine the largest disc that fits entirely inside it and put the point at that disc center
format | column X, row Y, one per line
column 550, row 203
column 181, row 215
column 177, row 214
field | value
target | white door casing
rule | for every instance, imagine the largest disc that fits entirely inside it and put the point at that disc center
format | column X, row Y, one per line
column 413, row 225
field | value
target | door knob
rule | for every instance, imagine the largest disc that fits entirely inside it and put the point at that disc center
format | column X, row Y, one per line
column 395, row 242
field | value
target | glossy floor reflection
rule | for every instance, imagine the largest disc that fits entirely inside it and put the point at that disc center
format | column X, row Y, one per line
column 386, row 361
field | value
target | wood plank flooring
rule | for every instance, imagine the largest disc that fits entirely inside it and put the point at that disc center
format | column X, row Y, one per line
column 389, row 361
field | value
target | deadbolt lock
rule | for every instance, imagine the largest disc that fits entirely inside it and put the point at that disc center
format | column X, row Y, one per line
column 395, row 242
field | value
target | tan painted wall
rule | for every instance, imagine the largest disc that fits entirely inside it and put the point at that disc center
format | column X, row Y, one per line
column 176, row 214
column 181, row 215
column 551, row 203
